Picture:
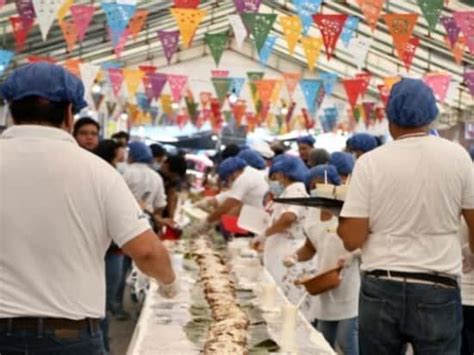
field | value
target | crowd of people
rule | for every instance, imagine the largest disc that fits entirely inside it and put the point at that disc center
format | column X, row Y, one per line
column 77, row 211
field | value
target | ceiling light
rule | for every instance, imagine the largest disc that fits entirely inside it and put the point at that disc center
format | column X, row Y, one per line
column 175, row 106
column 96, row 89
column 124, row 116
column 233, row 98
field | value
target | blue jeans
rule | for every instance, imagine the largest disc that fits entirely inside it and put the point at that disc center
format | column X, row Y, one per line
column 48, row 343
column 393, row 313
column 342, row 332
column 468, row 331
column 117, row 304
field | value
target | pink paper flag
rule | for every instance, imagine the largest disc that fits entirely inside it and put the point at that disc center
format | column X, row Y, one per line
column 25, row 9
column 82, row 17
column 177, row 84
column 157, row 82
column 2, row 2
column 465, row 21
column 116, row 79
column 439, row 83
column 121, row 43
column 469, row 80
column 220, row 73
column 169, row 40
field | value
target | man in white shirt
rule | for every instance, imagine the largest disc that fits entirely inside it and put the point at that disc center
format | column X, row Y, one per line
column 402, row 209
column 61, row 208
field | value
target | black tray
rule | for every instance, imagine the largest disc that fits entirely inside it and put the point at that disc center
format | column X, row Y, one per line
column 311, row 202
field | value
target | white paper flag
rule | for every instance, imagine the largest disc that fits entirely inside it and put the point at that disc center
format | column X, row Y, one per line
column 240, row 32
column 46, row 11
column 453, row 93
column 88, row 74
column 359, row 48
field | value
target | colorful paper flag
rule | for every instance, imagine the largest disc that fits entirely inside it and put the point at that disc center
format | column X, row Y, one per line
column 177, row 85
column 238, row 27
column 5, row 59
column 252, row 78
column 169, row 41
column 469, row 81
column 331, row 27
column 46, row 11
column 452, row 29
column 267, row 49
column 25, row 9
column 237, row 85
column 217, row 43
column 118, row 16
column 305, row 10
column 247, row 5
column 369, row 109
column 384, row 92
column 465, row 21
column 39, row 58
column 21, row 28
column 371, row 10
column 265, row 88
column 458, row 48
column 147, row 69
column 188, row 21
column 389, row 81
column 70, row 34
column 312, row 49
column 186, row 4
column 72, row 65
column 439, row 83
column 88, row 75
column 120, row 45
column 291, row 80
column 366, row 76
column 133, row 78
column 82, row 16
column 310, row 88
column 329, row 81
column 137, row 22
column 110, row 106
column 431, row 10
column 215, row 73
column 400, row 27
column 353, row 88
column 157, row 82
column 292, row 28
column 407, row 53
column 260, row 26
column 349, row 29
column 359, row 49
column 222, row 88
column 116, row 79
column 64, row 10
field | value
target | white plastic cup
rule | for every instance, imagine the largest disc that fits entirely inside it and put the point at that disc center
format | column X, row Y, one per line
column 268, row 295
column 288, row 313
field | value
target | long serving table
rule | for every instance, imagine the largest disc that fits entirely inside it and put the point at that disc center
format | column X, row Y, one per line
column 160, row 328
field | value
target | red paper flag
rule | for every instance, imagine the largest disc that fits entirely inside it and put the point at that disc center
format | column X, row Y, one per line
column 147, row 69
column 401, row 27
column 368, row 109
column 353, row 88
column 186, row 4
column 205, row 98
column 137, row 22
column 366, row 76
column 21, row 28
column 265, row 89
column 292, row 80
column 371, row 10
column 384, row 93
column 439, row 83
column 331, row 27
column 219, row 73
column 116, row 79
column 82, row 17
column 37, row 58
column 238, row 110
column 407, row 52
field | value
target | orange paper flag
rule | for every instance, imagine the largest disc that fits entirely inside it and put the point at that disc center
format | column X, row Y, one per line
column 70, row 34
column 389, row 81
column 458, row 49
column 188, row 21
column 292, row 28
column 137, row 22
column 276, row 91
column 265, row 88
column 371, row 10
column 291, row 79
column 133, row 78
column 401, row 27
column 312, row 49
column 73, row 66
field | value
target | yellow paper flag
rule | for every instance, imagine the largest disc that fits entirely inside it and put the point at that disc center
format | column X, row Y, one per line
column 64, row 10
column 133, row 78
column 276, row 92
column 166, row 104
column 390, row 81
column 292, row 28
column 312, row 48
column 188, row 21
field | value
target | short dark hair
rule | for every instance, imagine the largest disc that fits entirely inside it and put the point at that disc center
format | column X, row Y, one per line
column 230, row 151
column 84, row 121
column 37, row 109
column 107, row 150
column 157, row 150
column 177, row 164
column 120, row 135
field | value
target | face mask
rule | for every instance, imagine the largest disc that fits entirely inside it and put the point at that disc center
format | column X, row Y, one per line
column 276, row 188
column 156, row 166
column 121, row 167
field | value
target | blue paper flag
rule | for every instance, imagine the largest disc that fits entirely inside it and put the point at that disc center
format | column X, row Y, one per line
column 142, row 101
column 329, row 81
column 111, row 64
column 118, row 17
column 236, row 85
column 5, row 59
column 306, row 9
column 349, row 29
column 310, row 88
column 329, row 119
column 267, row 49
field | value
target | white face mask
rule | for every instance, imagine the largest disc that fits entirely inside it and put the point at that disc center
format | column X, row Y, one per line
column 276, row 188
column 121, row 167
column 156, row 166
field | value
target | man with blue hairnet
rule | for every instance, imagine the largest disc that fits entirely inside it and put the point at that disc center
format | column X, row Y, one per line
column 344, row 163
column 361, row 143
column 52, row 279
column 402, row 209
column 305, row 146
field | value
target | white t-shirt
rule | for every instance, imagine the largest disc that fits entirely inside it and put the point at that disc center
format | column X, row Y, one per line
column 143, row 180
column 342, row 302
column 412, row 190
column 61, row 207
column 467, row 277
column 249, row 187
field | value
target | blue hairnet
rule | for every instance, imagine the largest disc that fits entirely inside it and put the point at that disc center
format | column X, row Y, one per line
column 318, row 172
column 411, row 104
column 308, row 140
column 252, row 158
column 343, row 162
column 230, row 166
column 45, row 80
column 363, row 142
column 471, row 152
column 139, row 152
column 290, row 166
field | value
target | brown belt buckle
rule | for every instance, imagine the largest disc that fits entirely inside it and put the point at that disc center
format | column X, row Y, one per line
column 67, row 333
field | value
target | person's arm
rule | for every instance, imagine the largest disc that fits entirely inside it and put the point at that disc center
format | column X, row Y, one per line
column 285, row 221
column 353, row 232
column 151, row 257
column 306, row 252
column 469, row 217
column 172, row 198
column 228, row 205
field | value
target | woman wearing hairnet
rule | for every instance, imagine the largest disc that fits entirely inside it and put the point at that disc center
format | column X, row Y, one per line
column 285, row 228
column 335, row 311
column 361, row 143
column 344, row 163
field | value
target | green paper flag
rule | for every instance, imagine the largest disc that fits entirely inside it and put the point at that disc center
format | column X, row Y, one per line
column 217, row 43
column 431, row 11
column 222, row 87
column 259, row 25
column 254, row 76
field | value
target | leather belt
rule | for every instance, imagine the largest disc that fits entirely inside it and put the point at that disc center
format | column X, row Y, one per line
column 434, row 278
column 34, row 324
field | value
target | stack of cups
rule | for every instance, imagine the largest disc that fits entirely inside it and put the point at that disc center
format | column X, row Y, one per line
column 289, row 313
column 268, row 295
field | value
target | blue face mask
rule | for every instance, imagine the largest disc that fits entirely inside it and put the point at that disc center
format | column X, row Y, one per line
column 276, row 188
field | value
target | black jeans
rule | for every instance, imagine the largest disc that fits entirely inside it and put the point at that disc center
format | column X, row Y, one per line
column 468, row 331
column 49, row 342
